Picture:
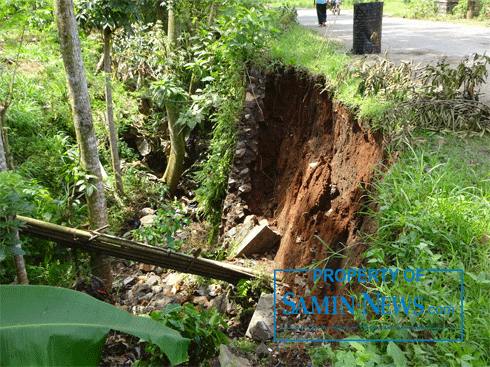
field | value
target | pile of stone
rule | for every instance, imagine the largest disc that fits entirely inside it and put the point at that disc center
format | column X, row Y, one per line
column 246, row 154
column 152, row 290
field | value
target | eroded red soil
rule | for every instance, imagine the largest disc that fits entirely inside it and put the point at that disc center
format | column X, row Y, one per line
column 315, row 162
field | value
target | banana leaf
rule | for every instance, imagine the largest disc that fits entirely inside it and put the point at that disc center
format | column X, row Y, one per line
column 49, row 326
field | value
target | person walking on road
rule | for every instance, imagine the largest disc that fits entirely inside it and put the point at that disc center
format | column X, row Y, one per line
column 321, row 12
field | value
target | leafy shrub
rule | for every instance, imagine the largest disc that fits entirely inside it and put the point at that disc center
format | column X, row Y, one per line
column 422, row 9
column 436, row 97
column 201, row 327
column 45, row 261
column 168, row 221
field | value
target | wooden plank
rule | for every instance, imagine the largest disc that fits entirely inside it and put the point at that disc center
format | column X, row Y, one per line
column 132, row 250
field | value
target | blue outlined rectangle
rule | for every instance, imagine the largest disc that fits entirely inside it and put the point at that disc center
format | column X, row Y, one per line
column 360, row 340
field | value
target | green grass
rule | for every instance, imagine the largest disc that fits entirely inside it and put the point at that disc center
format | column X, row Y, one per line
column 434, row 205
column 289, row 3
column 307, row 49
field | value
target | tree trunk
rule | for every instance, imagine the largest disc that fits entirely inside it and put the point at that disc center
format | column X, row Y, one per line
column 3, row 161
column 82, row 118
column 212, row 12
column 175, row 164
column 3, row 126
column 116, row 163
column 20, row 267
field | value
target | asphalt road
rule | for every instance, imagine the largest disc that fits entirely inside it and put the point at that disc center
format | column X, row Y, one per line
column 417, row 40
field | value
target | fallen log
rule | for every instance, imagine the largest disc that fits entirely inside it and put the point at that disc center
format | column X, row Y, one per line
column 131, row 250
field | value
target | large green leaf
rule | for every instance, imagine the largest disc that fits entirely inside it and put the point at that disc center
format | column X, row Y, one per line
column 48, row 326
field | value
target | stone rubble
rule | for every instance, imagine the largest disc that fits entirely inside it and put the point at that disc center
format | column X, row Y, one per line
column 246, row 155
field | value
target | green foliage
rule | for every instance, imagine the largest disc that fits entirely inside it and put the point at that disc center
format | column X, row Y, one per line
column 436, row 97
column 203, row 328
column 250, row 289
column 245, row 344
column 214, row 171
column 35, row 14
column 100, row 14
column 422, row 9
column 46, row 263
column 169, row 220
column 18, row 196
column 68, row 328
column 244, row 32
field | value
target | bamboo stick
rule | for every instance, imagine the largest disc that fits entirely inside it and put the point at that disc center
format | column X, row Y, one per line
column 132, row 250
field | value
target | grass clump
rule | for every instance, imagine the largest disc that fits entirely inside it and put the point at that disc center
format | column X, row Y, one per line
column 434, row 206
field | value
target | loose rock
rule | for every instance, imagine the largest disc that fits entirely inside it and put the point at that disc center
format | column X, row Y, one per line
column 263, row 312
column 261, row 332
column 228, row 359
column 153, row 280
column 263, row 351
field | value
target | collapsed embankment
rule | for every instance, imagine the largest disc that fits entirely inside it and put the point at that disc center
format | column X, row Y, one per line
column 304, row 163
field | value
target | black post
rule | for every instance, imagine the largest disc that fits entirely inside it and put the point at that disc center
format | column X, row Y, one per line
column 368, row 18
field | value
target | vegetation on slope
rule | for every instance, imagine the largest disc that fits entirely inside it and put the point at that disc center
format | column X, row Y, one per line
column 433, row 202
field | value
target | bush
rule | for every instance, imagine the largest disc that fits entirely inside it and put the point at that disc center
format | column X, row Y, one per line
column 201, row 327
column 422, row 9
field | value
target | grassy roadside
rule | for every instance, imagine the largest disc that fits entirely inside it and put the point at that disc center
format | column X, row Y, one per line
column 415, row 9
column 305, row 48
column 434, row 210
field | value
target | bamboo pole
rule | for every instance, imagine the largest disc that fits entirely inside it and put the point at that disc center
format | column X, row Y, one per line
column 132, row 250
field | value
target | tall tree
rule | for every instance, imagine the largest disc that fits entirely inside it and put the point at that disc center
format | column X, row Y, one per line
column 71, row 51
column 20, row 268
column 7, row 163
column 116, row 163
column 175, row 164
column 107, row 16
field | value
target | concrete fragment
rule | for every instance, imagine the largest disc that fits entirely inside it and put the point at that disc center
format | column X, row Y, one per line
column 245, row 188
column 228, row 359
column 250, row 218
column 202, row 300
column 249, row 97
column 129, row 280
column 222, row 303
column 147, row 296
column 231, row 232
column 153, row 280
column 174, row 279
column 261, row 331
column 259, row 239
column 157, row 289
column 263, row 312
column 147, row 211
column 264, row 222
column 213, row 290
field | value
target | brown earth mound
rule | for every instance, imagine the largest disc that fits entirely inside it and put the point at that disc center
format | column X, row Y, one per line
column 308, row 167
